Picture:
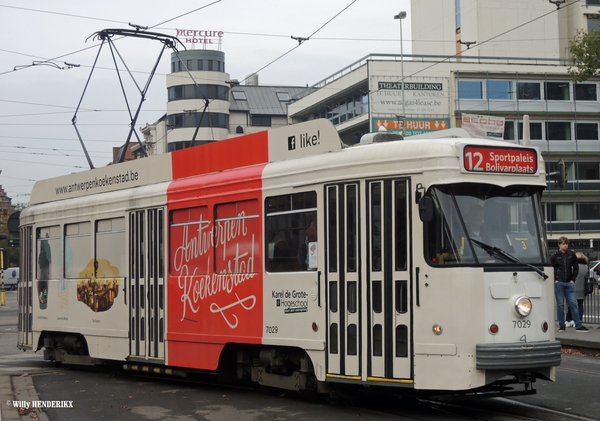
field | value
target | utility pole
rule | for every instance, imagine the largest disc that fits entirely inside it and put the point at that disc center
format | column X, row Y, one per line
column 3, row 265
column 400, row 16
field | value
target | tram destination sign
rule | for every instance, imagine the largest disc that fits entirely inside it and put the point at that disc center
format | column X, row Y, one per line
column 499, row 159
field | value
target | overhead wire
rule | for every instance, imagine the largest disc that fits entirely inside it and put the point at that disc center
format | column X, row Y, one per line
column 62, row 151
column 58, row 139
column 80, row 167
column 207, row 101
column 194, row 10
column 306, row 39
column 79, row 16
column 296, row 46
column 98, row 19
column 459, row 54
column 60, row 13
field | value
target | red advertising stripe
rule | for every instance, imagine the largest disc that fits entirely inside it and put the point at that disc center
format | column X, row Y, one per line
column 222, row 155
column 215, row 283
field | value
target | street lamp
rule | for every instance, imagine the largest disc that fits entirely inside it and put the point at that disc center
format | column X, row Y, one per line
column 401, row 16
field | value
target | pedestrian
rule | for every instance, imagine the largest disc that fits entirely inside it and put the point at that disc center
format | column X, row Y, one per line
column 582, row 260
column 566, row 270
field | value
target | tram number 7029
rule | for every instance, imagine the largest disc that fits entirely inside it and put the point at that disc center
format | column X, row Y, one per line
column 521, row 324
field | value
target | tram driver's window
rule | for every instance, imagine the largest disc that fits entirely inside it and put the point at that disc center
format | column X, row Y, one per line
column 291, row 232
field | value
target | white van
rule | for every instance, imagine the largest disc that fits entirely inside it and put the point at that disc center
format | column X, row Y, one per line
column 11, row 276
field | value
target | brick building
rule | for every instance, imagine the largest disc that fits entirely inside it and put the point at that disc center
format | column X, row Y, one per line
column 6, row 209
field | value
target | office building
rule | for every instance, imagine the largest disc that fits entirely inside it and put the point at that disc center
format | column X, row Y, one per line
column 498, row 59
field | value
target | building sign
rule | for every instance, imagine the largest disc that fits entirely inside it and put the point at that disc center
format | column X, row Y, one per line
column 499, row 160
column 578, row 244
column 484, row 126
column 199, row 36
column 413, row 126
column 421, row 95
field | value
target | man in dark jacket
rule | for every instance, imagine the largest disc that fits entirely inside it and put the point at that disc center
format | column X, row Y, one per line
column 566, row 269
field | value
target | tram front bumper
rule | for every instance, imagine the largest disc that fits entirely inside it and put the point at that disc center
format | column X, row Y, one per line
column 518, row 356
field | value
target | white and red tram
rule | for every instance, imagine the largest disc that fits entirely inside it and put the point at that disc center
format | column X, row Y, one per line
column 285, row 258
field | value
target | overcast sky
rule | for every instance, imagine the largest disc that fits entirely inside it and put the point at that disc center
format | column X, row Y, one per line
column 37, row 103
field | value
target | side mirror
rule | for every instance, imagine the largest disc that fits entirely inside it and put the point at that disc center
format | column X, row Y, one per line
column 426, row 209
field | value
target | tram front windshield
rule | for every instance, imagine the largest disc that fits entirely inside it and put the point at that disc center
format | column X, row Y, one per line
column 483, row 224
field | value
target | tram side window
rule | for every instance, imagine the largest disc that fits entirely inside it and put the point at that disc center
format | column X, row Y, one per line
column 376, row 234
column 332, row 224
column 237, row 229
column 79, row 263
column 49, row 255
column 48, row 261
column 291, row 232
column 191, row 241
column 401, row 224
column 110, row 248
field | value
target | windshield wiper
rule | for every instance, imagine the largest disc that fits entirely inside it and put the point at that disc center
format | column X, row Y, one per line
column 506, row 257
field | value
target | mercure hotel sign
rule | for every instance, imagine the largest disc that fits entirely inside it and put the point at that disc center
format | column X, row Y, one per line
column 199, row 36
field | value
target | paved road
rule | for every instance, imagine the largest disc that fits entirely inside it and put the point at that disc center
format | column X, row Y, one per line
column 98, row 394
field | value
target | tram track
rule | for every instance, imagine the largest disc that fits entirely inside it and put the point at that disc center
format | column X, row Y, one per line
column 370, row 405
column 488, row 409
column 410, row 408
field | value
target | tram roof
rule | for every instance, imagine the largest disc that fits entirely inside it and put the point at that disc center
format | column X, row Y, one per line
column 439, row 155
column 303, row 147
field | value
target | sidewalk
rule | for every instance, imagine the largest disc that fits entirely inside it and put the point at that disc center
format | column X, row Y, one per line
column 571, row 338
column 21, row 388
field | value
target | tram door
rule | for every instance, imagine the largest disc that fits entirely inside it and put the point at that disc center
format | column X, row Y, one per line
column 25, row 289
column 147, row 287
column 387, row 282
column 343, row 279
column 368, row 280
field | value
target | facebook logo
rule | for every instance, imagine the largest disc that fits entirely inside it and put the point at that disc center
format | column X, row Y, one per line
column 291, row 143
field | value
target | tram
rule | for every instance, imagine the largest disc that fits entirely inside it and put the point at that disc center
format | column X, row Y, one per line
column 291, row 260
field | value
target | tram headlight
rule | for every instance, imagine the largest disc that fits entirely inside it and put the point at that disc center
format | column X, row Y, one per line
column 523, row 306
